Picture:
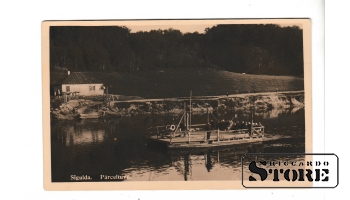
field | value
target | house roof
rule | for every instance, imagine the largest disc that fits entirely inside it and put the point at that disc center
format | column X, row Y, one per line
column 81, row 78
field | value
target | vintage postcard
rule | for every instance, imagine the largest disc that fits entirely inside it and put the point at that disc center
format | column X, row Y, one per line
column 173, row 104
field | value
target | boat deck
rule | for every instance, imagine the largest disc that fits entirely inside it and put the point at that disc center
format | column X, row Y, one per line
column 201, row 136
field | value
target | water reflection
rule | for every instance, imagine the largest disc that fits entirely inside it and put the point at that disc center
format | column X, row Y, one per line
column 118, row 147
column 83, row 136
column 214, row 163
column 208, row 162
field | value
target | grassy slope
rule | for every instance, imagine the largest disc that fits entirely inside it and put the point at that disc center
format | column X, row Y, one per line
column 175, row 83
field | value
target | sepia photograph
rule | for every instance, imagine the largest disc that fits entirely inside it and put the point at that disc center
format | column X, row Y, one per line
column 157, row 104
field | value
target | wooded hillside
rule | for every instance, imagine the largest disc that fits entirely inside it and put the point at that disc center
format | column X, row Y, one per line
column 252, row 49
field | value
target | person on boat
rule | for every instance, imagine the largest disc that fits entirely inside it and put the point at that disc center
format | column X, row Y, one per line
column 233, row 126
column 222, row 125
column 212, row 123
column 227, row 125
column 259, row 124
column 230, row 125
column 237, row 126
column 249, row 126
column 242, row 125
column 217, row 125
column 209, row 128
column 183, row 129
column 182, row 126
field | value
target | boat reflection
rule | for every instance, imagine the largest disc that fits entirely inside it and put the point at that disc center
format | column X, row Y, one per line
column 84, row 137
column 208, row 162
column 211, row 158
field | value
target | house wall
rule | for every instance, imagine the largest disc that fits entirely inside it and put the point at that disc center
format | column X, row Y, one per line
column 84, row 89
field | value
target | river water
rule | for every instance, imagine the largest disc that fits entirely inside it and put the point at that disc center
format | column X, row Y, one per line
column 118, row 146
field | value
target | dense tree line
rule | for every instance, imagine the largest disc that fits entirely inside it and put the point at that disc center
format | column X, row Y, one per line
column 254, row 49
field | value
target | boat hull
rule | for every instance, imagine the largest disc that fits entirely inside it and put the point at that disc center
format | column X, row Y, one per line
column 212, row 144
column 199, row 140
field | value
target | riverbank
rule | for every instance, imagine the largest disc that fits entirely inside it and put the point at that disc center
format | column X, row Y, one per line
column 123, row 106
column 167, row 83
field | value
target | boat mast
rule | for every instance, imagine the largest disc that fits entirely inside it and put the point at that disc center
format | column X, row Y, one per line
column 185, row 115
column 253, row 111
column 190, row 108
column 189, row 119
column 207, row 114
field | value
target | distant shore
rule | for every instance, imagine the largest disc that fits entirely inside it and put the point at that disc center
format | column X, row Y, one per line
column 126, row 106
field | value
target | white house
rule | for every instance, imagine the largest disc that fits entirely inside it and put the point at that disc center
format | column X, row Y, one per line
column 82, row 83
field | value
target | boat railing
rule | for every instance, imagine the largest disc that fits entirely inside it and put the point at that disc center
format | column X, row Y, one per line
column 167, row 131
column 247, row 129
column 253, row 131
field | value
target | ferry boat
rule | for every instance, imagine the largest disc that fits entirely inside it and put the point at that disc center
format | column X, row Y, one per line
column 184, row 135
